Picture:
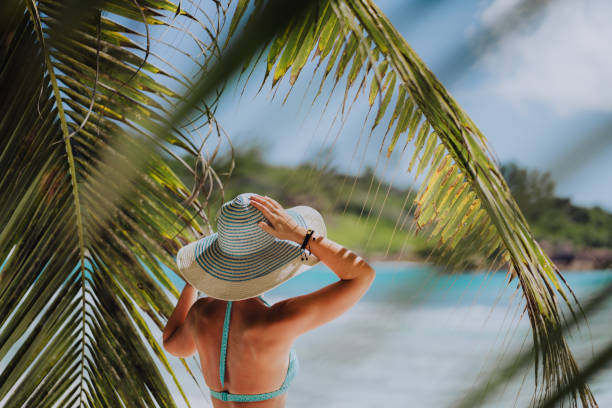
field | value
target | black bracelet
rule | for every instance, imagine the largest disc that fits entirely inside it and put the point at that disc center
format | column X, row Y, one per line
column 309, row 233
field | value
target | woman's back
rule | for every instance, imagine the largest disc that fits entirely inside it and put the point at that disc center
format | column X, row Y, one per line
column 257, row 356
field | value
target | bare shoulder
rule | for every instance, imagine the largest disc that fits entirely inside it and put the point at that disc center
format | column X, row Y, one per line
column 263, row 327
column 202, row 302
column 275, row 324
column 200, row 308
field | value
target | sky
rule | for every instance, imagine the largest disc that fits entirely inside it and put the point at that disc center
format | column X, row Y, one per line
column 536, row 83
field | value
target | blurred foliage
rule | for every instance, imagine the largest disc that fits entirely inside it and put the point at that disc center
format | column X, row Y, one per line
column 553, row 218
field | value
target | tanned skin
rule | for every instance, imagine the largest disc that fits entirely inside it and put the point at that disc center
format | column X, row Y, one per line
column 261, row 336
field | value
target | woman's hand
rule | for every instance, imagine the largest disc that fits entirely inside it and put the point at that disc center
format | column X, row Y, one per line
column 281, row 225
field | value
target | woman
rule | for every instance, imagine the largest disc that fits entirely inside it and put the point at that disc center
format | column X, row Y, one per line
column 244, row 344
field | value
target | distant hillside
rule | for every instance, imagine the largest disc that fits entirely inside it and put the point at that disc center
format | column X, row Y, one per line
column 574, row 236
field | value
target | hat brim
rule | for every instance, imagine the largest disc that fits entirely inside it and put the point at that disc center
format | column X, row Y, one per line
column 207, row 268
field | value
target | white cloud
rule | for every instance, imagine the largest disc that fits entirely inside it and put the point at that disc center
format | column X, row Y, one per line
column 497, row 9
column 563, row 60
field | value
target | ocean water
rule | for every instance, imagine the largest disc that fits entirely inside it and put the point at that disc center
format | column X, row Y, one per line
column 419, row 339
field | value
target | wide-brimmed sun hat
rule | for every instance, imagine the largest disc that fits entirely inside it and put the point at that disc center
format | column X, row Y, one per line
column 241, row 260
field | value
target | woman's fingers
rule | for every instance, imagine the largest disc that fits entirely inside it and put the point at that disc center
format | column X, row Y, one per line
column 271, row 202
column 263, row 207
column 264, row 226
column 266, row 204
column 258, row 200
column 271, row 209
column 280, row 224
column 275, row 203
column 267, row 225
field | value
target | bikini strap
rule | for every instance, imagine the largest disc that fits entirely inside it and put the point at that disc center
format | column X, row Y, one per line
column 226, row 322
column 263, row 300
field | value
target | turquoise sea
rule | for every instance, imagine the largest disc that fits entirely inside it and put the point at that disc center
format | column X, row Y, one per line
column 419, row 339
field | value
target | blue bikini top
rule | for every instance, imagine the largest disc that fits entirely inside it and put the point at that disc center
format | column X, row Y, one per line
column 226, row 396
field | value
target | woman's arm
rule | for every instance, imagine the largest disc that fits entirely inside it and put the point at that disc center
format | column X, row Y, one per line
column 300, row 314
column 177, row 337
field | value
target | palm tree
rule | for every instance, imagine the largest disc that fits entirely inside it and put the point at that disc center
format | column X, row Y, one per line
column 91, row 209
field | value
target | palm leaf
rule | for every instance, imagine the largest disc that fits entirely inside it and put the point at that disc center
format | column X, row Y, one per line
column 87, row 224
column 463, row 202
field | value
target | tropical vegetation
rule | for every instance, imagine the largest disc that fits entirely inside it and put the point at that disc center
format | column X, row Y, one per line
column 91, row 208
column 361, row 210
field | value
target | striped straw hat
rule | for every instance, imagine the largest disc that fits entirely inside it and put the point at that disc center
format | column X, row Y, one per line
column 242, row 260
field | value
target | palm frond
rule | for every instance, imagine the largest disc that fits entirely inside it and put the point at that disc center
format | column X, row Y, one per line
column 87, row 224
column 463, row 202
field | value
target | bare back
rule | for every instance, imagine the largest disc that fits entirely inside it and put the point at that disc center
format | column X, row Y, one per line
column 257, row 355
